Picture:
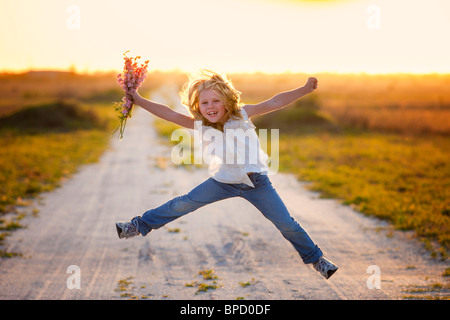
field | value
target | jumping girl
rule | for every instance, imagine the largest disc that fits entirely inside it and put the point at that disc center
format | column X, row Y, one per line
column 215, row 103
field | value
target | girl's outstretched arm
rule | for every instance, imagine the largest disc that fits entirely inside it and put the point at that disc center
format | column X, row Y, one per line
column 164, row 112
column 281, row 100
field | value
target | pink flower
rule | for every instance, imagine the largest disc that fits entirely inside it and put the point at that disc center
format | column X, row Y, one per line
column 132, row 79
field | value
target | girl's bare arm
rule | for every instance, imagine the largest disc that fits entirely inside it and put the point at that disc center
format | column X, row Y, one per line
column 164, row 112
column 281, row 100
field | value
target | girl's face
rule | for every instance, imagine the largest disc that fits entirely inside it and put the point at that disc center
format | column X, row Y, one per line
column 211, row 106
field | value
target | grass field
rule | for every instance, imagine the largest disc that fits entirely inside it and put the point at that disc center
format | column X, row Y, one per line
column 405, row 181
column 43, row 144
column 44, row 137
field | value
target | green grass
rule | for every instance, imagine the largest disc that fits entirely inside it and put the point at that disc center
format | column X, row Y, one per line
column 43, row 144
column 402, row 179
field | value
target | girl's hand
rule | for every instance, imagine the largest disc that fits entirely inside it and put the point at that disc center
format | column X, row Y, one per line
column 135, row 96
column 311, row 84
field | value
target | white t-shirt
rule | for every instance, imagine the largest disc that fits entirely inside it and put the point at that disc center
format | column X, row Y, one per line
column 233, row 153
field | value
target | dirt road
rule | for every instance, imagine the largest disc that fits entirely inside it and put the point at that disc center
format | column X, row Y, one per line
column 71, row 249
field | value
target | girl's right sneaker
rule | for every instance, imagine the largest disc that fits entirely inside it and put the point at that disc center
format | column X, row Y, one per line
column 127, row 230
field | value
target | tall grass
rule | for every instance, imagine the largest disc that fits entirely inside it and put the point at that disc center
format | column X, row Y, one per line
column 417, row 120
column 391, row 173
column 405, row 181
column 404, row 103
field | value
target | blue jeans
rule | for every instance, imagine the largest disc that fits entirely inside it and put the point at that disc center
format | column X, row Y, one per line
column 264, row 197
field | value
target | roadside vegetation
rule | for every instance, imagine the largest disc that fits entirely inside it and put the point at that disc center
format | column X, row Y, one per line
column 405, row 180
column 45, row 135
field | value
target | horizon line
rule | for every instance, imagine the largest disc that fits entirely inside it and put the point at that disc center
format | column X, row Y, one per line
column 178, row 70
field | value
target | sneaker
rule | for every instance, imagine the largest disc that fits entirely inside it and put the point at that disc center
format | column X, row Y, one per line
column 325, row 267
column 127, row 230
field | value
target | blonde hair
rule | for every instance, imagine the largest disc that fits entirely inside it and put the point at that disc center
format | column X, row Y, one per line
column 207, row 79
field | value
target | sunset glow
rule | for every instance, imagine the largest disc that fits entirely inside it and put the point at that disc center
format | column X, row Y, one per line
column 371, row 36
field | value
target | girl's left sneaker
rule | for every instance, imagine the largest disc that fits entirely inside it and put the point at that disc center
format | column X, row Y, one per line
column 127, row 230
column 325, row 267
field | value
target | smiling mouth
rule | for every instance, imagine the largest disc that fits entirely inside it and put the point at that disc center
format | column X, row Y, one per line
column 212, row 113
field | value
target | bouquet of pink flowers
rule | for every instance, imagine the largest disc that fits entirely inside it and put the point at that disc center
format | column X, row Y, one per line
column 133, row 77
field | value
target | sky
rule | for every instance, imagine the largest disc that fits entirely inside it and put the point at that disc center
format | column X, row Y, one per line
column 370, row 36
